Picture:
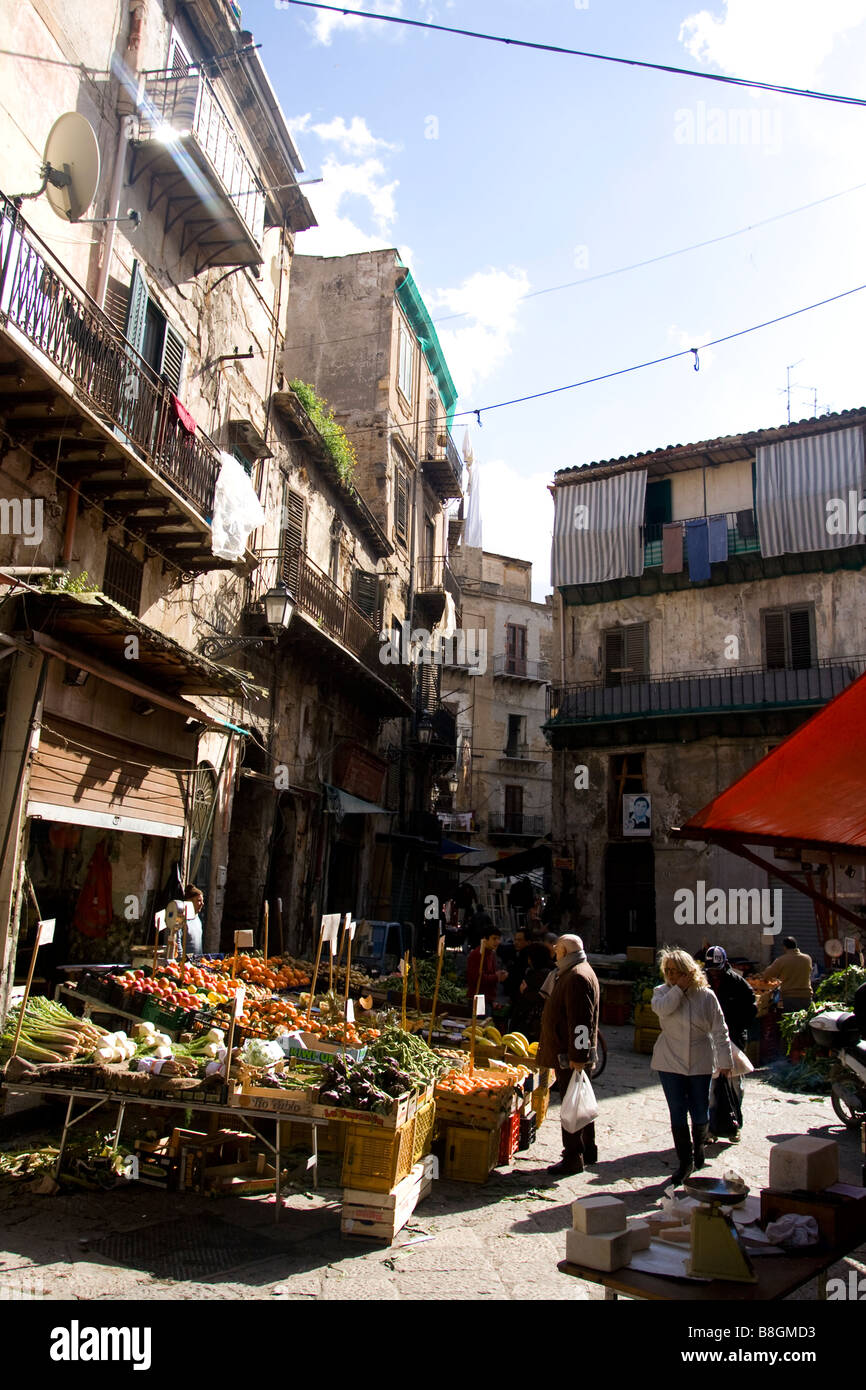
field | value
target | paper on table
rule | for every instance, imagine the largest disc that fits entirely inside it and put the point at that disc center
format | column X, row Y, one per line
column 670, row 1260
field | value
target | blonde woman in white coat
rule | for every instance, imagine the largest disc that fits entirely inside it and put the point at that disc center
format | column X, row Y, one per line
column 693, row 1043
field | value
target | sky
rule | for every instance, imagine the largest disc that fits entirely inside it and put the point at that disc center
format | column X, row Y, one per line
column 501, row 172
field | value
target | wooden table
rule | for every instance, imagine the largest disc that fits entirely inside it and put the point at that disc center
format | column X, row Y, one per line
column 124, row 1098
column 778, row 1276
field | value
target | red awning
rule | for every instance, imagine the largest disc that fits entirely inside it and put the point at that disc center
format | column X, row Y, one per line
column 809, row 792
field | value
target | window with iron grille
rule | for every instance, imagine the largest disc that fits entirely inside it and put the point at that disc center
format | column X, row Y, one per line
column 789, row 637
column 626, row 653
column 122, row 578
column 293, row 536
column 515, row 649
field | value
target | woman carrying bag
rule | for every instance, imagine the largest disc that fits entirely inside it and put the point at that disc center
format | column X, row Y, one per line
column 693, row 1043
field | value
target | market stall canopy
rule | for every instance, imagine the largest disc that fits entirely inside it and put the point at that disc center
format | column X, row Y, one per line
column 451, row 847
column 538, row 857
column 808, row 793
column 102, row 628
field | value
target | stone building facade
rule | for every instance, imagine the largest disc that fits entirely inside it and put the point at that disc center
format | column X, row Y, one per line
column 677, row 669
column 504, row 761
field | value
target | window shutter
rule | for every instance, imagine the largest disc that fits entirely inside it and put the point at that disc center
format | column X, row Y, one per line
column 171, row 366
column 367, row 594
column 800, row 621
column 401, row 502
column 136, row 313
column 432, row 418
column 294, row 537
column 636, row 650
column 775, row 653
column 179, row 60
column 614, row 656
column 117, row 302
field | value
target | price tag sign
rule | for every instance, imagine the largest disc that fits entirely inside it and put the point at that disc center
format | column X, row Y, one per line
column 350, row 926
column 404, row 966
column 240, row 999
column 441, row 945
column 159, row 922
column 850, row 945
column 331, row 930
column 479, row 1005
column 350, row 1011
column 46, row 932
column 244, row 940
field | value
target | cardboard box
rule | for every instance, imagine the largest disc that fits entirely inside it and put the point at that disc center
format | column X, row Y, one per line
column 312, row 1048
column 841, row 1216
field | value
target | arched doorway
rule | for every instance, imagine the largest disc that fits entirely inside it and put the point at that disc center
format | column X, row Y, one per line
column 202, row 796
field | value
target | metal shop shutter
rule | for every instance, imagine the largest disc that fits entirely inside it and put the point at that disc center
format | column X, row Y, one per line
column 83, row 777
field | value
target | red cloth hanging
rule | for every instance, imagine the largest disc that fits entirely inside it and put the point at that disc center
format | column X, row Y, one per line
column 183, row 415
column 93, row 911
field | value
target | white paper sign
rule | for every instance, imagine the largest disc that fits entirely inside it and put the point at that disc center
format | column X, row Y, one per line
column 850, row 945
column 159, row 922
column 244, row 940
column 404, row 967
column 479, row 1005
column 331, row 930
column 441, row 945
column 46, row 932
column 350, row 1011
column 240, row 997
column 350, row 926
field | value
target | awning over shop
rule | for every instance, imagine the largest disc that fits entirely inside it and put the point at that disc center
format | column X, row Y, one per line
column 810, row 792
column 341, row 804
column 538, row 857
column 451, row 847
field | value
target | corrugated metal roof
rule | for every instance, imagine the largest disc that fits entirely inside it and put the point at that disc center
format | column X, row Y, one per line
column 672, row 458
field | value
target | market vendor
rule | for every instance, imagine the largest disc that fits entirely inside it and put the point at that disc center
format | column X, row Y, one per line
column 794, row 969
column 491, row 975
column 569, row 1031
column 194, row 928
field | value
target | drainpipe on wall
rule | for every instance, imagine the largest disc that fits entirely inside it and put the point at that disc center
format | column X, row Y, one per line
column 125, row 106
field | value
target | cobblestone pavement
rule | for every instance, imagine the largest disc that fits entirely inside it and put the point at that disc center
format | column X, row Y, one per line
column 498, row 1241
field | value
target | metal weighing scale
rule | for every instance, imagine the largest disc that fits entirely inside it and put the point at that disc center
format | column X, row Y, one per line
column 716, row 1249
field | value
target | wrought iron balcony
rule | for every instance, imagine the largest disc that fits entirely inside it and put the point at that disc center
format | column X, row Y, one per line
column 517, row 824
column 74, row 393
column 188, row 149
column 320, row 600
column 521, row 668
column 442, row 463
column 434, row 578
column 742, row 536
column 739, row 688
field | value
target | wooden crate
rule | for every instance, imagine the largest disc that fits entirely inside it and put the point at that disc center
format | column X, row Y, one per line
column 375, row 1160
column 470, row 1154
column 379, row 1216
column 540, row 1101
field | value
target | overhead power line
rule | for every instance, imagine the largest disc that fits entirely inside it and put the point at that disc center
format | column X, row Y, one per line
column 780, row 88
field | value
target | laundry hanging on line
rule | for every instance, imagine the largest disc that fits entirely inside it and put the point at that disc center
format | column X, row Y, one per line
column 718, row 539
column 698, row 549
column 672, row 548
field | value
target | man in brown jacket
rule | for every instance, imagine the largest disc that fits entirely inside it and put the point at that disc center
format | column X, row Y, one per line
column 569, row 1028
column 794, row 969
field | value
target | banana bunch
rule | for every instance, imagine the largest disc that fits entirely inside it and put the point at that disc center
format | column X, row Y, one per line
column 486, row 1039
column 517, row 1044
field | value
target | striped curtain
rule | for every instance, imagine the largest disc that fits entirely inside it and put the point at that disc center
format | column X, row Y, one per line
column 597, row 529
column 795, row 479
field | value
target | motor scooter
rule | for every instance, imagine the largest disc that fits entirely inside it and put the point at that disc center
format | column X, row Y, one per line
column 839, row 1032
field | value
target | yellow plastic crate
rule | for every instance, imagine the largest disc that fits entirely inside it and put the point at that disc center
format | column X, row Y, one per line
column 645, row 1039
column 375, row 1160
column 470, row 1154
column 425, row 1123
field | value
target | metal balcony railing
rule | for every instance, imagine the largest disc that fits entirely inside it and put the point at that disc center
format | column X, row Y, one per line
column 742, row 535
column 65, row 327
column 522, row 668
column 693, row 692
column 434, row 576
column 179, row 105
column 516, row 824
column 442, row 461
column 319, row 598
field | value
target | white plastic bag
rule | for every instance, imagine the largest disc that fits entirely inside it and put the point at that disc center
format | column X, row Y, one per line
column 742, row 1066
column 236, row 510
column 579, row 1106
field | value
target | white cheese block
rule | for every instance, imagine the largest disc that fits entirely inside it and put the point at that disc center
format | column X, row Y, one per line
column 804, row 1164
column 598, row 1215
column 605, row 1252
column 640, row 1233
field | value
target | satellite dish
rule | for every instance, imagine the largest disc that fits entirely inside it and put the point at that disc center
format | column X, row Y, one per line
column 71, row 166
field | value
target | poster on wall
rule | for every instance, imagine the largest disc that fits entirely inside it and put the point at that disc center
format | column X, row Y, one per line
column 636, row 813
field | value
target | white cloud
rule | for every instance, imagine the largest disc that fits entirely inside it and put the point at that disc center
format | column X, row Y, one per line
column 324, row 24
column 338, row 234
column 516, row 515
column 787, row 40
column 353, row 137
column 475, row 347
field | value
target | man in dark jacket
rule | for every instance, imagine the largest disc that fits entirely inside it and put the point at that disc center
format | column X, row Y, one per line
column 736, row 1000
column 569, row 1030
